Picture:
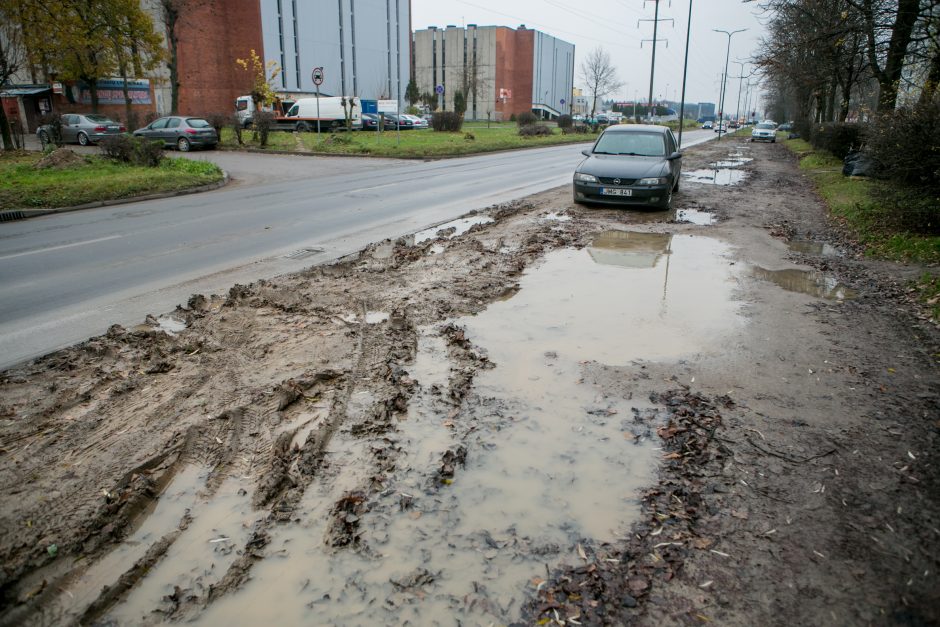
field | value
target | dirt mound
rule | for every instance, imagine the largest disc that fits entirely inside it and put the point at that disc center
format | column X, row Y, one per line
column 60, row 159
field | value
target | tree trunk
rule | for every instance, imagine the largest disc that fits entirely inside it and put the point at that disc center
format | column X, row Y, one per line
column 889, row 76
column 170, row 17
column 5, row 130
column 93, row 90
column 933, row 78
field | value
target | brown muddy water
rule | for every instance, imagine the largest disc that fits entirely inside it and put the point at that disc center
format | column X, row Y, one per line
column 808, row 247
column 715, row 176
column 553, row 461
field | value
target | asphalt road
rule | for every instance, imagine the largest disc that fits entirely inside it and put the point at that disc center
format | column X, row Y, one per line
column 69, row 276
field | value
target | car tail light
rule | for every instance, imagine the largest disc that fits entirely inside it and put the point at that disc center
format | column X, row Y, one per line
column 190, row 131
column 123, row 129
column 101, row 129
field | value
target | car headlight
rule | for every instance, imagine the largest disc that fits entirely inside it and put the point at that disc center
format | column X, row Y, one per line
column 585, row 178
column 651, row 181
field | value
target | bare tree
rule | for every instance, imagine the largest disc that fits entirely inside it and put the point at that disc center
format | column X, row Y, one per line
column 12, row 60
column 599, row 75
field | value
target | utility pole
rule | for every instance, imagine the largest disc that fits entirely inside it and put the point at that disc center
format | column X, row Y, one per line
column 724, row 80
column 655, row 22
column 737, row 111
column 685, row 69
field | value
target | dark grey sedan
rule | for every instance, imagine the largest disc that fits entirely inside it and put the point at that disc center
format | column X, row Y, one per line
column 630, row 164
column 81, row 128
column 185, row 133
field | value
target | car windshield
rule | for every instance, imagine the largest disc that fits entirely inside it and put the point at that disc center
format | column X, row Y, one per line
column 197, row 123
column 764, row 125
column 639, row 144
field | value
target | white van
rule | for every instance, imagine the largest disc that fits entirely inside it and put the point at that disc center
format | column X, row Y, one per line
column 304, row 115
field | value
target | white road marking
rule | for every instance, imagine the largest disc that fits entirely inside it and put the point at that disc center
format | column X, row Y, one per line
column 51, row 248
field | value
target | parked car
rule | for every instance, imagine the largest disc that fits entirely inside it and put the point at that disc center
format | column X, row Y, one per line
column 180, row 131
column 708, row 124
column 419, row 123
column 630, row 164
column 81, row 128
column 370, row 122
column 764, row 132
column 394, row 121
column 785, row 127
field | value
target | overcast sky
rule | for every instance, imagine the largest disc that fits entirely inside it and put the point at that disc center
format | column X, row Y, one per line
column 613, row 25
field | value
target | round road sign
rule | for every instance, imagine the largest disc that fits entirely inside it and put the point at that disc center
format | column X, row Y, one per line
column 317, row 76
column 439, row 89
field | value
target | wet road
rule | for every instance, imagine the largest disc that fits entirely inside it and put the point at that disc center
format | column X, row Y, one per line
column 67, row 277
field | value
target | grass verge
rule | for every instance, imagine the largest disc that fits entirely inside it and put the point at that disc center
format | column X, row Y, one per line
column 863, row 206
column 475, row 137
column 23, row 186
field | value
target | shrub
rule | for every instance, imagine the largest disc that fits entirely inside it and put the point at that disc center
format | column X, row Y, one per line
column 447, row 121
column 512, row 117
column 339, row 139
column 54, row 128
column 837, row 138
column 906, row 145
column 237, row 128
column 217, row 120
column 526, row 118
column 133, row 150
column 469, row 137
column 262, row 124
column 565, row 121
column 576, row 129
column 534, row 130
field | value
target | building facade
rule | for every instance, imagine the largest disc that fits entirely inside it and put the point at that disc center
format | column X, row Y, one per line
column 501, row 71
column 362, row 45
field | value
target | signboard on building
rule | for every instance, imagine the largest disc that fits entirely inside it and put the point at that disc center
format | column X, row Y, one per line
column 111, row 91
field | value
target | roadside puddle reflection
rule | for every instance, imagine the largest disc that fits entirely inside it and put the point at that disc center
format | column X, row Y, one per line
column 452, row 229
column 717, row 176
column 805, row 282
column 808, row 247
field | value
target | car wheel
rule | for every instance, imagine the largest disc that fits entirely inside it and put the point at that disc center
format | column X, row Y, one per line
column 667, row 204
column 183, row 145
column 675, row 187
column 773, row 141
column 304, row 127
column 83, row 139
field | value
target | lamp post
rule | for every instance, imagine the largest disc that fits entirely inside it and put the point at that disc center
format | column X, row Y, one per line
column 685, row 68
column 724, row 81
column 737, row 111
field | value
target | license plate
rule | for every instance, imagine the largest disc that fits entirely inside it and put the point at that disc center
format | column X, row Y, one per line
column 607, row 191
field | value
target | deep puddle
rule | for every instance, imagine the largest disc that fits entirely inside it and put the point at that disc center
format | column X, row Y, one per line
column 451, row 229
column 808, row 247
column 731, row 162
column 717, row 176
column 805, row 282
column 552, row 462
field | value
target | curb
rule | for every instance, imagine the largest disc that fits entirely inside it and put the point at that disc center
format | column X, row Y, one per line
column 25, row 214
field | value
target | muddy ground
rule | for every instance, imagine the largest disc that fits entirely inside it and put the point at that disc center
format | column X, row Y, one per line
column 544, row 413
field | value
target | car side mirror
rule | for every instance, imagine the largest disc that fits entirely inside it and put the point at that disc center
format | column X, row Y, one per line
column 674, row 156
column 586, row 153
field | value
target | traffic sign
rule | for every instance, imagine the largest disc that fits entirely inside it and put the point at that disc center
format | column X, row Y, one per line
column 317, row 76
column 562, row 101
column 439, row 89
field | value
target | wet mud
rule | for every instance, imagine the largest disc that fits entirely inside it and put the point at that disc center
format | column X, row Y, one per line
column 539, row 413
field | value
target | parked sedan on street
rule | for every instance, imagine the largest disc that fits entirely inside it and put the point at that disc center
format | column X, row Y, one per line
column 419, row 123
column 393, row 120
column 764, row 132
column 370, row 122
column 181, row 131
column 632, row 164
column 81, row 128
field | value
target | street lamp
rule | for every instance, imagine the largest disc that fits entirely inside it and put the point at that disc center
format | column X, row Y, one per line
column 737, row 111
column 724, row 82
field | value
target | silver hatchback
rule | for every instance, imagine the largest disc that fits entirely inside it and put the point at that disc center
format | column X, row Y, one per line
column 183, row 132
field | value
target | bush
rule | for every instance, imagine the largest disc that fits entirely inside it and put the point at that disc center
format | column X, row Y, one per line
column 339, row 139
column 534, row 130
column 838, row 138
column 526, row 118
column 237, row 127
column 576, row 129
column 469, row 137
column 906, row 145
column 262, row 124
column 447, row 121
column 565, row 121
column 217, row 120
column 133, row 150
column 512, row 117
column 54, row 128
